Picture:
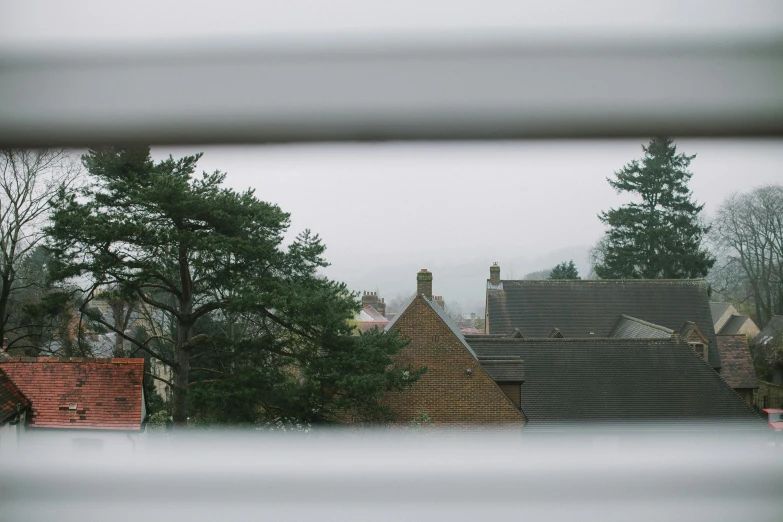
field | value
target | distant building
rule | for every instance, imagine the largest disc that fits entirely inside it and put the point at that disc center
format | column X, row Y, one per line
column 369, row 318
column 603, row 308
column 773, row 329
column 728, row 321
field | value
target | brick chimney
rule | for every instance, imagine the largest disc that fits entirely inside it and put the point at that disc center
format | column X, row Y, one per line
column 424, row 283
column 370, row 299
column 494, row 274
column 381, row 307
column 439, row 300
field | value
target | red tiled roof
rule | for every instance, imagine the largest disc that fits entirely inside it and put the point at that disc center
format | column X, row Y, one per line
column 11, row 399
column 736, row 362
column 81, row 393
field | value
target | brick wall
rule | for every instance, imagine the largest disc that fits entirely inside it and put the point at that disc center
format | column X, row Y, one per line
column 446, row 393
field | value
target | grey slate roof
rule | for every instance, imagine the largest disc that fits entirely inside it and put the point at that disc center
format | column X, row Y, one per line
column 582, row 308
column 616, row 380
column 628, row 327
column 734, row 325
column 718, row 310
column 503, row 368
column 773, row 328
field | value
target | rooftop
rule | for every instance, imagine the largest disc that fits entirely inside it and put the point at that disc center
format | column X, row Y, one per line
column 12, row 401
column 621, row 380
column 80, row 393
column 585, row 308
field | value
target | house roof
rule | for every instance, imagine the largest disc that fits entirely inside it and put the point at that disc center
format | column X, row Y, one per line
column 584, row 308
column 80, row 393
column 371, row 315
column 773, row 328
column 628, row 327
column 736, row 363
column 734, row 325
column 616, row 380
column 718, row 310
column 504, row 368
column 12, row 401
column 470, row 331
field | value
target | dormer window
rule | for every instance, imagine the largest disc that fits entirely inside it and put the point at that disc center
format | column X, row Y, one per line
column 700, row 349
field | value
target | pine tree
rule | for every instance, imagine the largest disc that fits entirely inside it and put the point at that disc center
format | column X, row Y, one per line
column 660, row 236
column 565, row 270
column 197, row 254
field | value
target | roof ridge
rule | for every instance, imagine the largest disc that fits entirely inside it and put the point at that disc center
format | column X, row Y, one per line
column 595, row 281
column 560, row 340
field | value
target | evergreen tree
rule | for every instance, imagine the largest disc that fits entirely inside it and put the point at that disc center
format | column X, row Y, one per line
column 565, row 270
column 660, row 235
column 196, row 254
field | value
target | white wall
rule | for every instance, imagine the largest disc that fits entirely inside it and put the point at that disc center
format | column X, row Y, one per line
column 9, row 435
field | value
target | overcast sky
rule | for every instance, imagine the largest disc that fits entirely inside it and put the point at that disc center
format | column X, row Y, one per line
column 387, row 210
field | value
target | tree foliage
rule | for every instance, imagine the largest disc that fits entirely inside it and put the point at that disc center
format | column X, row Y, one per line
column 238, row 309
column 768, row 358
column 538, row 275
column 748, row 232
column 564, row 270
column 29, row 179
column 660, row 235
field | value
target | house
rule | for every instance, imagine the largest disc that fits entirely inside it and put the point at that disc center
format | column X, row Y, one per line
column 13, row 411
column 372, row 314
column 727, row 320
column 578, row 382
column 79, row 402
column 773, row 329
column 458, row 390
column 603, row 308
column 737, row 365
column 368, row 318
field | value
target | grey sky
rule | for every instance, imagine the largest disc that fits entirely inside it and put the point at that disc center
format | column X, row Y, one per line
column 387, row 210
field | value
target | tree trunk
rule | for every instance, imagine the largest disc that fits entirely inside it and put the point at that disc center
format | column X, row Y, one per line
column 117, row 309
column 179, row 400
column 179, row 393
column 5, row 294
